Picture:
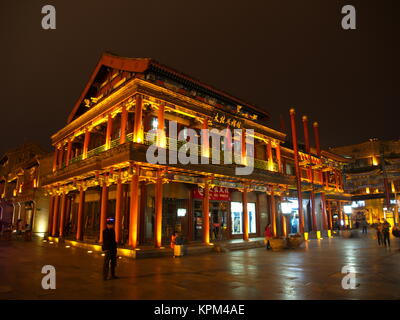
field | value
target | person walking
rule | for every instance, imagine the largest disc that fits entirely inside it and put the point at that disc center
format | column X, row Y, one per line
column 386, row 233
column 110, row 249
column 379, row 233
column 173, row 240
column 268, row 236
column 364, row 226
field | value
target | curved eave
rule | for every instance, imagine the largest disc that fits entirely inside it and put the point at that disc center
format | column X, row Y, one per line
column 140, row 65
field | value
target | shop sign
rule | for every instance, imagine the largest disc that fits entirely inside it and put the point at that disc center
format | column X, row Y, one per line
column 216, row 193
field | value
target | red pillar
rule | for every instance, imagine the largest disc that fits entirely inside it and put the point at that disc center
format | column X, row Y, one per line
column 306, row 135
column 55, row 159
column 62, row 214
column 297, row 167
column 69, row 150
column 158, row 204
column 124, row 118
column 324, row 213
column 138, row 126
column 118, row 211
column 278, row 157
column 51, row 214
column 86, row 144
column 316, row 136
column 103, row 210
column 161, row 141
column 109, row 131
column 245, row 215
column 205, row 142
column 60, row 156
column 55, row 214
column 313, row 213
column 269, row 155
column 206, row 213
column 79, row 228
column 273, row 214
column 134, row 209
column 329, row 214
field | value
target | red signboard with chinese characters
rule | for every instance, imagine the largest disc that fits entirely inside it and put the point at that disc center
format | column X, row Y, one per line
column 216, row 194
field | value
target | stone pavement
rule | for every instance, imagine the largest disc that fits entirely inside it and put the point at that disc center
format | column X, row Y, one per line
column 310, row 272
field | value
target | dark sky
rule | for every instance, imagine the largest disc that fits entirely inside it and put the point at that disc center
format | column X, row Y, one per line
column 276, row 54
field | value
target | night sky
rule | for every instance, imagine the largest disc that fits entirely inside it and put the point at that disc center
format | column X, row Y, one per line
column 275, row 54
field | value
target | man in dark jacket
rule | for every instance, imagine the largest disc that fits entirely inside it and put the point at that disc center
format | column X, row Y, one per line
column 110, row 248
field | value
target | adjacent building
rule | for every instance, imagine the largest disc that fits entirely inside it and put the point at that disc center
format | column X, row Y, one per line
column 372, row 177
column 21, row 172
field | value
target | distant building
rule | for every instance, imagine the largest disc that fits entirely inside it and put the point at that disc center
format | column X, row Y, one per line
column 22, row 197
column 373, row 179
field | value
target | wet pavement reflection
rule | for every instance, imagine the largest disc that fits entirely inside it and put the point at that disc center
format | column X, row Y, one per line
column 313, row 271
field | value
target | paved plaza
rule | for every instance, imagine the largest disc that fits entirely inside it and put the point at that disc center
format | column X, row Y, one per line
column 310, row 272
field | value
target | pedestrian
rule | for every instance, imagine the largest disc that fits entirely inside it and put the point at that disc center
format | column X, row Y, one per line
column 173, row 240
column 110, row 249
column 364, row 226
column 268, row 236
column 379, row 233
column 19, row 227
column 386, row 233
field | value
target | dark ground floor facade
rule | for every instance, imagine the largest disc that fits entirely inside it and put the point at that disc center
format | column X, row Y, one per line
column 182, row 208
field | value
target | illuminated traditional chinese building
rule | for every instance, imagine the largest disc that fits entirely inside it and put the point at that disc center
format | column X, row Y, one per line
column 373, row 178
column 21, row 170
column 100, row 168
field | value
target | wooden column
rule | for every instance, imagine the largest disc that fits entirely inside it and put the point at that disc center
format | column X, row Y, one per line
column 138, row 125
column 69, row 152
column 278, row 157
column 324, row 213
column 158, row 204
column 103, row 210
column 258, row 214
column 297, row 167
column 68, row 211
column 134, row 209
column 283, row 221
column 55, row 159
column 205, row 139
column 329, row 214
column 51, row 214
column 269, row 155
column 118, row 211
column 190, row 216
column 81, row 207
column 161, row 140
column 245, row 215
column 109, row 131
column 244, row 151
column 316, row 136
column 273, row 214
column 124, row 119
column 340, row 214
column 60, row 157
column 55, row 215
column 86, row 144
column 142, row 212
column 62, row 214
column 306, row 135
column 313, row 213
column 206, row 213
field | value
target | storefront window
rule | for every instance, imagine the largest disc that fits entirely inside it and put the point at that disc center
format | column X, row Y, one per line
column 237, row 217
column 251, row 209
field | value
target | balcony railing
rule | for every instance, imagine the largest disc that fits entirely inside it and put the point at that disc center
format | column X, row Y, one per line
column 174, row 144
